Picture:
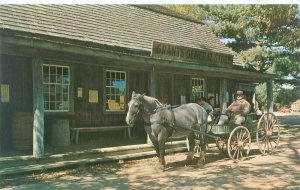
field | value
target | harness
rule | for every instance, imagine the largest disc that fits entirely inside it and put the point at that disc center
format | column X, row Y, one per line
column 165, row 122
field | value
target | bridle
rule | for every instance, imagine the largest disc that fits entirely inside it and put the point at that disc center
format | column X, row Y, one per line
column 139, row 110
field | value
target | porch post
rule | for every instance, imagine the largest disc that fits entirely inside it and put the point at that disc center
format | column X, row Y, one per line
column 152, row 93
column 270, row 95
column 223, row 90
column 152, row 83
column 38, row 109
column 1, row 105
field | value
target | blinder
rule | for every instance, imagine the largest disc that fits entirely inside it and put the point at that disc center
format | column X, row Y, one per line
column 138, row 111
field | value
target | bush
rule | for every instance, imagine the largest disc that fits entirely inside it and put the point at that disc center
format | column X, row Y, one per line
column 282, row 97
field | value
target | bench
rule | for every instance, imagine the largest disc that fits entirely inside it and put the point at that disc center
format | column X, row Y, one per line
column 76, row 130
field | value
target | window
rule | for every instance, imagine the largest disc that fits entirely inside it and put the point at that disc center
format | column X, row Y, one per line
column 115, row 87
column 198, row 88
column 56, row 85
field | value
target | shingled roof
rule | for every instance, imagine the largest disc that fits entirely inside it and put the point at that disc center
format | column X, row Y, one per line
column 123, row 26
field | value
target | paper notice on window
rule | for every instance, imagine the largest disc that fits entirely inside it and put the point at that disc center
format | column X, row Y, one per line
column 122, row 99
column 4, row 93
column 93, row 96
column 79, row 92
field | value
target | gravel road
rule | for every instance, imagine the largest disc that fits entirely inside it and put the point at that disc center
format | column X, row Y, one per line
column 280, row 170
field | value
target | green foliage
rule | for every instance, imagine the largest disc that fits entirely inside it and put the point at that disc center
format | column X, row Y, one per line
column 281, row 96
column 284, row 97
column 265, row 37
column 261, row 95
column 192, row 11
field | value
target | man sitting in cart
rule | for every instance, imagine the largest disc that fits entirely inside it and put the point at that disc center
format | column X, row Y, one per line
column 202, row 102
column 237, row 110
column 208, row 108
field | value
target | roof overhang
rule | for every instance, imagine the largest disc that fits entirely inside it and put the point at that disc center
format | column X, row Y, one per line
column 125, row 58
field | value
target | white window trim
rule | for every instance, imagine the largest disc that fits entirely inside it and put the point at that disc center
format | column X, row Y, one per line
column 203, row 91
column 51, row 83
column 110, row 86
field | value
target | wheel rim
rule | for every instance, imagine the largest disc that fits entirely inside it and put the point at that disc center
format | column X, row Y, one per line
column 268, row 133
column 239, row 143
column 197, row 148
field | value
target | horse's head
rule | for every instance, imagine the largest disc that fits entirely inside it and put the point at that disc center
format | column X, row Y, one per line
column 135, row 108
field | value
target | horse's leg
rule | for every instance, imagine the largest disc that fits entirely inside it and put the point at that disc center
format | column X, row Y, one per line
column 202, row 145
column 162, row 136
column 154, row 141
column 190, row 155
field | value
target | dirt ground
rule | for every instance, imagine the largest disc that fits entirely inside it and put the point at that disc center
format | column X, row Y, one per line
column 280, row 170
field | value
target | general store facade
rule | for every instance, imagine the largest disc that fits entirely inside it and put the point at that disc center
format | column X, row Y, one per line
column 81, row 63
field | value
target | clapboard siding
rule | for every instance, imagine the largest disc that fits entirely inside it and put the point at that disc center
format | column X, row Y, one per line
column 17, row 73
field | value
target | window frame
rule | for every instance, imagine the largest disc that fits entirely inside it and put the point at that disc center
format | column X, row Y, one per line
column 105, row 109
column 203, row 91
column 70, row 86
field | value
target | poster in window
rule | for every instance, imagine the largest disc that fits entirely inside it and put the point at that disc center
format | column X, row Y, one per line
column 93, row 96
column 4, row 93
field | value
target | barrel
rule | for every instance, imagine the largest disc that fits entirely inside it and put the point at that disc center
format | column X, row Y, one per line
column 60, row 135
column 21, row 131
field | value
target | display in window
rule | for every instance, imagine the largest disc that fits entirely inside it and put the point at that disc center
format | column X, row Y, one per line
column 115, row 82
column 56, row 86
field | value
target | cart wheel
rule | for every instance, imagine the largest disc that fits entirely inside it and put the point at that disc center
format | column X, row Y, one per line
column 239, row 141
column 220, row 144
column 197, row 148
column 267, row 134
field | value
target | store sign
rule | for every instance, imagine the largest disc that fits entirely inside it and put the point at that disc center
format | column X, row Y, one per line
column 175, row 52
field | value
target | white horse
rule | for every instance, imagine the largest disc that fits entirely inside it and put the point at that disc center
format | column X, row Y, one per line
column 161, row 121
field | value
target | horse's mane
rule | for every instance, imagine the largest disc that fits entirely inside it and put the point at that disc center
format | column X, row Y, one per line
column 153, row 100
column 147, row 99
column 151, row 103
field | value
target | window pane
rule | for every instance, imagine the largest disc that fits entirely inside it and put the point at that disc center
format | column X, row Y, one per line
column 56, row 81
column 66, row 71
column 198, row 89
column 115, row 90
column 66, row 79
column 59, row 71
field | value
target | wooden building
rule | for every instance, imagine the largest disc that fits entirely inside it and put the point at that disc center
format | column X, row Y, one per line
column 81, row 63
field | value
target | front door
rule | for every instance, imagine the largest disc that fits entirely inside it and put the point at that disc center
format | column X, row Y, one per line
column 164, row 89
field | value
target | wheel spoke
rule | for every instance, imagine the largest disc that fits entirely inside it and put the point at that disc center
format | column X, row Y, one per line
column 245, row 139
column 245, row 132
column 233, row 147
column 237, row 157
column 234, row 153
column 271, row 145
column 237, row 136
column 267, row 143
column 241, row 151
column 275, row 141
column 240, row 134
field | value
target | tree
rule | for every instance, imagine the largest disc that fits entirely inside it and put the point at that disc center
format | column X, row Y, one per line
column 265, row 37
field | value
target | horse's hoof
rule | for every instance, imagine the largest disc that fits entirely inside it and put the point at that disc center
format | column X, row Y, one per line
column 188, row 162
column 163, row 168
column 201, row 162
